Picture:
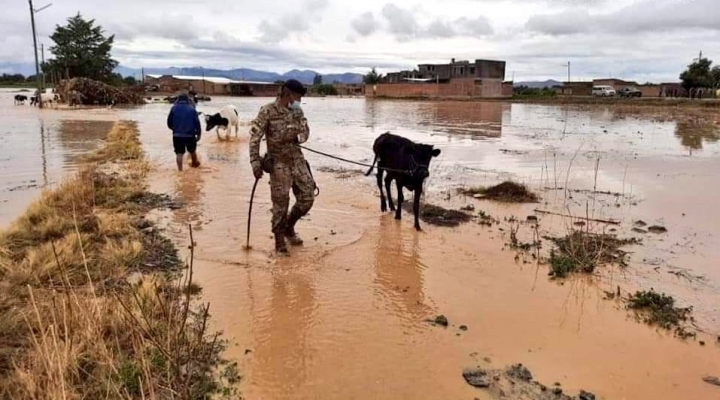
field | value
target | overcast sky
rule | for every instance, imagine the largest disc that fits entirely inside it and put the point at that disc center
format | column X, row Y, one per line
column 646, row 40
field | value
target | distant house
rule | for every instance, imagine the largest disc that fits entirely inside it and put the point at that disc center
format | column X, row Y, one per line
column 480, row 78
column 212, row 85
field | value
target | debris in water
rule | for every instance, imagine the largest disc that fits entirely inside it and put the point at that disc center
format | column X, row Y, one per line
column 520, row 372
column 638, row 230
column 469, row 207
column 659, row 309
column 532, row 218
column 582, row 251
column 440, row 320
column 713, row 380
column 463, row 327
column 657, row 229
column 436, row 215
column 640, row 224
column 586, row 395
column 508, row 192
column 477, row 378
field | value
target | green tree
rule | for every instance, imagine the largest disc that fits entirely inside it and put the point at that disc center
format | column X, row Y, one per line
column 715, row 73
column 317, row 80
column 130, row 81
column 82, row 50
column 697, row 75
column 372, row 77
column 326, row 89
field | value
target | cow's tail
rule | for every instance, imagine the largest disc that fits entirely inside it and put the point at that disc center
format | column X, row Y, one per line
column 372, row 166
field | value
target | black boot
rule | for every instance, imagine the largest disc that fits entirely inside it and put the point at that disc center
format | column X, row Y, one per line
column 280, row 246
column 290, row 233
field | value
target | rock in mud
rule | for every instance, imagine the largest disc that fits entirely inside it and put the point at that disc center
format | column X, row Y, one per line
column 463, row 327
column 713, row 380
column 440, row 320
column 657, row 229
column 477, row 378
column 638, row 230
column 469, row 207
column 532, row 218
column 640, row 224
column 586, row 395
column 519, row 372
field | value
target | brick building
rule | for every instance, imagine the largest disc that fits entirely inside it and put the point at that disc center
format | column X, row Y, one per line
column 480, row 78
column 212, row 85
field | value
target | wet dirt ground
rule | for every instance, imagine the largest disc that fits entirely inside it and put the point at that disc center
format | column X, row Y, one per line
column 345, row 316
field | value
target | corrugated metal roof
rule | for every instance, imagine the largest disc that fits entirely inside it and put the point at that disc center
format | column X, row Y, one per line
column 211, row 79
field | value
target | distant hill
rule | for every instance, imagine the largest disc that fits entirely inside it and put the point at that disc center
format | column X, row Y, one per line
column 304, row 76
column 538, row 84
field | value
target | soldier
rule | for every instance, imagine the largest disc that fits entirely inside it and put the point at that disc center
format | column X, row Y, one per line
column 284, row 126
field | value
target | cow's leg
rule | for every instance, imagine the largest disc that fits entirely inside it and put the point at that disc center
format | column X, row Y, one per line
column 416, row 207
column 401, row 198
column 217, row 131
column 237, row 129
column 388, row 186
column 383, row 206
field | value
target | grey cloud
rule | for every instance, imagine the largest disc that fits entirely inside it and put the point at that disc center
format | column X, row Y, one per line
column 176, row 27
column 299, row 21
column 440, row 29
column 464, row 26
column 643, row 16
column 401, row 22
column 478, row 26
column 364, row 24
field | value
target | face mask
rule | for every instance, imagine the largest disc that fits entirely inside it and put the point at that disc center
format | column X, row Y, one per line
column 295, row 105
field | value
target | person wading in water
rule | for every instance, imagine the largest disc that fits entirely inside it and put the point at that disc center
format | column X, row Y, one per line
column 284, row 126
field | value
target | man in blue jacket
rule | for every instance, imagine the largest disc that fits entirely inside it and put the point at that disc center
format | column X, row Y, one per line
column 184, row 122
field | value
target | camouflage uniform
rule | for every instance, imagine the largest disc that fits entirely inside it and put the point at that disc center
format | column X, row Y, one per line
column 283, row 128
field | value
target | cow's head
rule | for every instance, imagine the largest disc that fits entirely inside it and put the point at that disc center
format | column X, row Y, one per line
column 420, row 156
column 215, row 120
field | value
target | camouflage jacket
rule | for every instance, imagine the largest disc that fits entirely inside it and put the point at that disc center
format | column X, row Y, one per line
column 282, row 128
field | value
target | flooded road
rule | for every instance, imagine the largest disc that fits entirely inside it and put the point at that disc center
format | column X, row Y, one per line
column 345, row 317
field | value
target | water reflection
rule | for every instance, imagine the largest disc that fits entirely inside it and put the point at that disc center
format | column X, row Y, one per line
column 283, row 348
column 477, row 120
column 189, row 192
column 399, row 271
column 43, row 154
column 694, row 131
column 79, row 137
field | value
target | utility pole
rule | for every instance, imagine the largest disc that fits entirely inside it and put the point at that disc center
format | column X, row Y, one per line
column 42, row 51
column 568, row 67
column 37, row 66
column 203, row 78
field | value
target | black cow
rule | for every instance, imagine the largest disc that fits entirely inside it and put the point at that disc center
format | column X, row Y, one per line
column 20, row 99
column 407, row 163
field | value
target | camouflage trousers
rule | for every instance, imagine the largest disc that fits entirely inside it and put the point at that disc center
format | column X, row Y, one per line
column 290, row 175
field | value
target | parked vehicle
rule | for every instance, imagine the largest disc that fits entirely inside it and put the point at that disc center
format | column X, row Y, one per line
column 630, row 92
column 603, row 91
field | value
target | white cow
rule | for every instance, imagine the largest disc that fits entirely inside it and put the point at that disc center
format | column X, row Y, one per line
column 226, row 119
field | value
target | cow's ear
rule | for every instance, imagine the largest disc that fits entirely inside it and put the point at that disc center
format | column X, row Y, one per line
column 436, row 152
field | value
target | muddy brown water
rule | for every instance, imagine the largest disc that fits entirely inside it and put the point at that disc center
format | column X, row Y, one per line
column 345, row 316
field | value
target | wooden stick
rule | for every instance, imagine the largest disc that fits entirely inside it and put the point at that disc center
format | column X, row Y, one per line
column 604, row 221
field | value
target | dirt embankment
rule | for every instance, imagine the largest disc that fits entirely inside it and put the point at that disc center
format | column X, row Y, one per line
column 92, row 299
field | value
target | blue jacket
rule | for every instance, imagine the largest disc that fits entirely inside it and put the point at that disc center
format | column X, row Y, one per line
column 183, row 120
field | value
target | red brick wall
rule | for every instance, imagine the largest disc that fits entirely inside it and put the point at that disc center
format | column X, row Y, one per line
column 456, row 88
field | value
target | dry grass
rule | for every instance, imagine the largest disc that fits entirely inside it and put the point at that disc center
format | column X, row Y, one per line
column 71, row 324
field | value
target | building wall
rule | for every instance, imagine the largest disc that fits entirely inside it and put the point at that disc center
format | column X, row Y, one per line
column 461, row 88
column 649, row 90
column 490, row 69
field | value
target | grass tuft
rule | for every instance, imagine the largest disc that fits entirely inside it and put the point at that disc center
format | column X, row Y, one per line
column 507, row 192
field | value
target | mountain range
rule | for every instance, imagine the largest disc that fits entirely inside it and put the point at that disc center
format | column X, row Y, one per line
column 304, row 76
column 538, row 84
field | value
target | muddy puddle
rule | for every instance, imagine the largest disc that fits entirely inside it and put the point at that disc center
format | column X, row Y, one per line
column 346, row 316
